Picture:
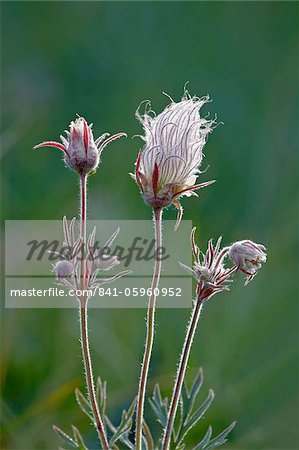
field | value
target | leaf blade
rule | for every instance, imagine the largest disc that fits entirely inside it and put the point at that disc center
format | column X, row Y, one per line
column 83, row 404
column 65, row 437
column 205, row 440
column 78, row 438
column 191, row 421
column 221, row 438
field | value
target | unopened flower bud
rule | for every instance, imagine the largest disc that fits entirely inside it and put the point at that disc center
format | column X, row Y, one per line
column 63, row 269
column 247, row 256
column 81, row 152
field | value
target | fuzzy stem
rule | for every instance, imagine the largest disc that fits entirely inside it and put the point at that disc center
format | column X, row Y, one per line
column 150, row 330
column 84, row 325
column 89, row 377
column 83, row 215
column 181, row 372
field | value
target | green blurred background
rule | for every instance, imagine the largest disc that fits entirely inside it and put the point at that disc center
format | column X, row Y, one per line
column 100, row 59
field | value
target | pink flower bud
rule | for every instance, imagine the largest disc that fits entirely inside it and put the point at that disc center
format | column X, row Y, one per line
column 247, row 256
column 63, row 269
column 81, row 152
column 168, row 166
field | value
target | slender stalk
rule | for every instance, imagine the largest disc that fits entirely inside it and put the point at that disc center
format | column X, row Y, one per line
column 181, row 372
column 89, row 376
column 150, row 331
column 83, row 215
column 84, row 324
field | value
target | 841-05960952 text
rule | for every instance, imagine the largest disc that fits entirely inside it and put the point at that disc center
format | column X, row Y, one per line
column 100, row 291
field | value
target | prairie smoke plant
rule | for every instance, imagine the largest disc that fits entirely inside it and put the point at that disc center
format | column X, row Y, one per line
column 81, row 152
column 166, row 169
column 212, row 277
column 168, row 166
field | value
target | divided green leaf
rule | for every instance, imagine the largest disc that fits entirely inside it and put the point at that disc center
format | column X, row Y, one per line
column 188, row 399
column 84, row 404
column 122, row 431
column 159, row 405
column 221, row 438
column 78, row 438
column 204, row 440
column 101, row 389
column 195, row 417
column 65, row 437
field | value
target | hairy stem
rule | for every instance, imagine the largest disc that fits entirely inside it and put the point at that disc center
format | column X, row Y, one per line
column 150, row 330
column 83, row 215
column 89, row 377
column 181, row 372
column 98, row 422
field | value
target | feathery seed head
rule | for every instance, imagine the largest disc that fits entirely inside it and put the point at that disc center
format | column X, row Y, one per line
column 168, row 166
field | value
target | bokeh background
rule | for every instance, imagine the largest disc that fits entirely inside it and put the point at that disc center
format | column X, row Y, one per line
column 100, row 59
